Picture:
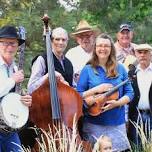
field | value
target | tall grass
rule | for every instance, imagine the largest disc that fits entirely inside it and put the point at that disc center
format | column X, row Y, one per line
column 59, row 139
column 63, row 139
column 145, row 136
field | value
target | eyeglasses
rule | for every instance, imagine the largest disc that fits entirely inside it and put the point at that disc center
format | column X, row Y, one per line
column 103, row 46
column 82, row 36
column 13, row 44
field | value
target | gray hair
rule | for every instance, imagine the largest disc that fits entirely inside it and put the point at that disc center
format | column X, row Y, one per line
column 58, row 32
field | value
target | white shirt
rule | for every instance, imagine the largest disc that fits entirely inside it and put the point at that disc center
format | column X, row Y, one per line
column 144, row 79
column 79, row 57
column 6, row 83
column 37, row 76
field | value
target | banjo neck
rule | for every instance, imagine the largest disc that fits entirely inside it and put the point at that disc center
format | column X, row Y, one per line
column 21, row 57
column 20, row 66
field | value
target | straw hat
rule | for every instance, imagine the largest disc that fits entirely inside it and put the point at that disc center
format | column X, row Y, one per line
column 141, row 47
column 83, row 27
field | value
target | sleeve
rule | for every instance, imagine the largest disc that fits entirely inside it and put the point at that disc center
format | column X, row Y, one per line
column 83, row 83
column 37, row 74
column 127, row 88
column 6, row 85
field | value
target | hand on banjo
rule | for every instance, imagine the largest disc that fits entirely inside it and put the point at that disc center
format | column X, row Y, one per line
column 26, row 100
column 18, row 76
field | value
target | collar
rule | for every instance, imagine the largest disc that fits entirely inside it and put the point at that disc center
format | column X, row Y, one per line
column 127, row 49
column 149, row 68
column 60, row 59
column 2, row 62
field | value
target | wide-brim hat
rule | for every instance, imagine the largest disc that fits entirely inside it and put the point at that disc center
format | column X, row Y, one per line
column 84, row 27
column 10, row 32
column 144, row 47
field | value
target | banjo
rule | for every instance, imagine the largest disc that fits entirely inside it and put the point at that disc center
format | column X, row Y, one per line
column 13, row 113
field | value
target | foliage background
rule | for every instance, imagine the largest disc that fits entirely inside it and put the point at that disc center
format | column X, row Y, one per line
column 105, row 14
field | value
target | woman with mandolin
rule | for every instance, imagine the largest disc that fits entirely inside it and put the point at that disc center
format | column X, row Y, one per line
column 9, row 78
column 105, row 89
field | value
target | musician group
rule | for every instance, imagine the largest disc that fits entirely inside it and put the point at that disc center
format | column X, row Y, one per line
column 113, row 79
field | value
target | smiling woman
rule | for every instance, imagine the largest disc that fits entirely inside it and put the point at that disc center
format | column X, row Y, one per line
column 103, row 49
column 101, row 74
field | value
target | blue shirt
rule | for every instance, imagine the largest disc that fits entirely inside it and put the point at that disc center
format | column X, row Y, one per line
column 89, row 79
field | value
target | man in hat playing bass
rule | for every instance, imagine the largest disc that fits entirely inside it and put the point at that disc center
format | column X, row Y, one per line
column 9, row 42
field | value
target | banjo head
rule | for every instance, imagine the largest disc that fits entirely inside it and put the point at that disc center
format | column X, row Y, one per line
column 15, row 113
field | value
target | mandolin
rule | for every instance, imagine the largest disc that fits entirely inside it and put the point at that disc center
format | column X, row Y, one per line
column 96, row 102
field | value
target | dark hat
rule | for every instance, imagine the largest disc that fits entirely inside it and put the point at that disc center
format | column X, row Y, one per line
column 125, row 26
column 10, row 32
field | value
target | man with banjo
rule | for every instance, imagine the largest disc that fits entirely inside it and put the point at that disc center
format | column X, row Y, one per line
column 9, row 78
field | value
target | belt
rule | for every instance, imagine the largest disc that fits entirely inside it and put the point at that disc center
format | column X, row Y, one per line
column 5, row 132
column 146, row 111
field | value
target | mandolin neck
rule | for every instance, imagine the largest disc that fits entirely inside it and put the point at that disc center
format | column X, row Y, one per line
column 114, row 89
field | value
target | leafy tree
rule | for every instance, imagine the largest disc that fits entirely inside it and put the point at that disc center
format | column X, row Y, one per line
column 106, row 14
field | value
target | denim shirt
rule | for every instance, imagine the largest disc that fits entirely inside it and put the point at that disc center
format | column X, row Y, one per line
column 89, row 79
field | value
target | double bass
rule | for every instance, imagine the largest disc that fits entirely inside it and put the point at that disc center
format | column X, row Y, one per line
column 54, row 102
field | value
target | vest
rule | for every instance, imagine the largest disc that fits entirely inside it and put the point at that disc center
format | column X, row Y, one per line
column 67, row 72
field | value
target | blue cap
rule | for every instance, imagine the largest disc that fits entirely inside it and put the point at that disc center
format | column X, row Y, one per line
column 125, row 26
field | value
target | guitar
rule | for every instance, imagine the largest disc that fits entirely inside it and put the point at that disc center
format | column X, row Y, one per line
column 13, row 113
column 130, row 62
